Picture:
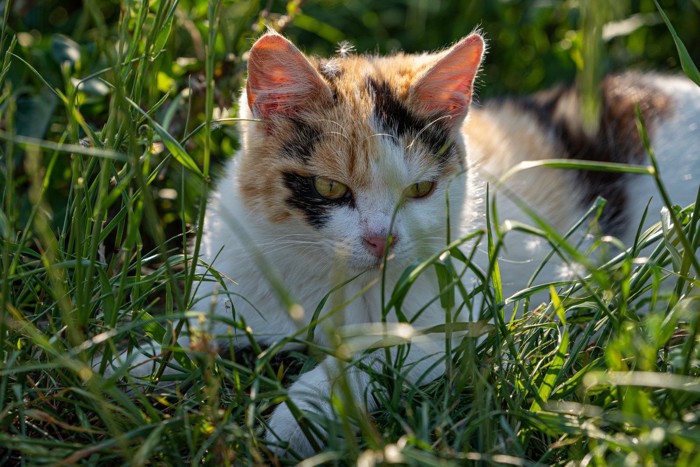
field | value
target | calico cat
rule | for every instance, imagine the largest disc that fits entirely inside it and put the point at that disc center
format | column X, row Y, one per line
column 344, row 162
column 355, row 167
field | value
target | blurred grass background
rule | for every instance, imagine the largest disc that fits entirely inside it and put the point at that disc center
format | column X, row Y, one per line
column 532, row 44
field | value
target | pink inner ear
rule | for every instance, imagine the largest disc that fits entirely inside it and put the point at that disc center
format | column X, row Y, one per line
column 447, row 87
column 280, row 78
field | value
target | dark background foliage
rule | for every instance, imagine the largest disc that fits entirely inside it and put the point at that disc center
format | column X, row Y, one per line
column 532, row 44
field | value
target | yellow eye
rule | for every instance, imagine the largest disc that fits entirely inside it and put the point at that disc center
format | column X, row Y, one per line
column 419, row 189
column 330, row 188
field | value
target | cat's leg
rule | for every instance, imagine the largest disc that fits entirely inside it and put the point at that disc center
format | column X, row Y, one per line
column 312, row 392
column 140, row 362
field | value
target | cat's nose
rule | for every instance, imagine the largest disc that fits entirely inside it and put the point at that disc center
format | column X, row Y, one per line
column 377, row 244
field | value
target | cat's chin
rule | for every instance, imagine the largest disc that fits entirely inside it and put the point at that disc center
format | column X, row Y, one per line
column 370, row 263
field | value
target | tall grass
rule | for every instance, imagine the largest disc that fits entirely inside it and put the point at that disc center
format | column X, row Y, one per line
column 603, row 371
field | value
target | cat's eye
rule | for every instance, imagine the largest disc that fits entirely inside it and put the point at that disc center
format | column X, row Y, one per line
column 330, row 188
column 419, row 189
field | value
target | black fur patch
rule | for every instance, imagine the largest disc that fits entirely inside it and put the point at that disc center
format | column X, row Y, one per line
column 617, row 138
column 305, row 198
column 301, row 145
column 397, row 119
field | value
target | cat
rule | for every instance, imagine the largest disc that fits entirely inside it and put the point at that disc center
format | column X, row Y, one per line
column 343, row 181
column 330, row 148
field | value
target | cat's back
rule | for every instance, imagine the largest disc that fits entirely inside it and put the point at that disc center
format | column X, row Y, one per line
column 676, row 139
column 550, row 125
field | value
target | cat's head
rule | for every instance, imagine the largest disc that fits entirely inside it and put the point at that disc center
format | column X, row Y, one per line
column 348, row 150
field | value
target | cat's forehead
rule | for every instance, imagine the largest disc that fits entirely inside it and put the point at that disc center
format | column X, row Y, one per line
column 371, row 119
column 349, row 75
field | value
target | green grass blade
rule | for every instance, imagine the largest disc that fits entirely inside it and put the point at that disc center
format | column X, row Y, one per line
column 553, row 373
column 171, row 143
column 686, row 62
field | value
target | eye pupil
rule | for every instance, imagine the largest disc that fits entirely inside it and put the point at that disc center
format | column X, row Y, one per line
column 420, row 189
column 330, row 189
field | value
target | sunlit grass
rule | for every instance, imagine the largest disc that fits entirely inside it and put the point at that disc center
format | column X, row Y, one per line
column 602, row 368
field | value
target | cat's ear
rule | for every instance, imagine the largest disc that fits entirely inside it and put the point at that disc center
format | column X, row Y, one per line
column 280, row 78
column 446, row 88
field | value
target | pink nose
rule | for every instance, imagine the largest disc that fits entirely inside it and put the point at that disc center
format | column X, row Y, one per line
column 377, row 243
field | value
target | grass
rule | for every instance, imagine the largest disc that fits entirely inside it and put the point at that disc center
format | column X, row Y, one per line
column 605, row 372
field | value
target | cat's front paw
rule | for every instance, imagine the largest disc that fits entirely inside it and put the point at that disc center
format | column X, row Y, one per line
column 284, row 435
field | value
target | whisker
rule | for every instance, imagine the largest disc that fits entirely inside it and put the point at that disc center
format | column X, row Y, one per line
column 347, row 138
column 428, row 125
column 382, row 134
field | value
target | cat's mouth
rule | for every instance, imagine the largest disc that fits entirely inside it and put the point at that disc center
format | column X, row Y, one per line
column 370, row 262
column 378, row 263
column 360, row 258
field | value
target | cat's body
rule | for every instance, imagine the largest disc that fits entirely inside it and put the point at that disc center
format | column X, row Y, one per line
column 549, row 125
column 336, row 154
